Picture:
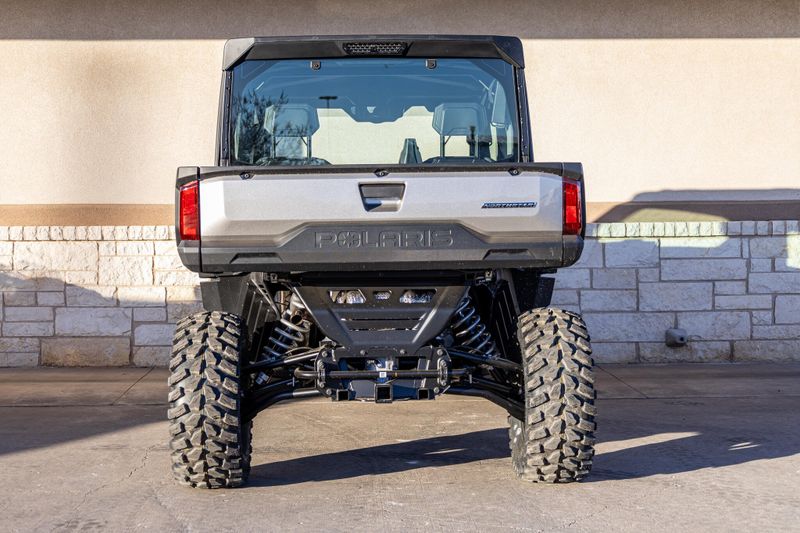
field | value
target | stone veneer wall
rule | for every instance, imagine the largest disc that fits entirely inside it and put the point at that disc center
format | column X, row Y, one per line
column 110, row 295
column 91, row 295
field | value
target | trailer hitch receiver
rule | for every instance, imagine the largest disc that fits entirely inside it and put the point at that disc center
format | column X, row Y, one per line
column 382, row 376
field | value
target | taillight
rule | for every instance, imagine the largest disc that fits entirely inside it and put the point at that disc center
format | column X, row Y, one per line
column 572, row 207
column 190, row 212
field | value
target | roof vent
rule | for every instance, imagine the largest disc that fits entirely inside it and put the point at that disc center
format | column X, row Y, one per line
column 375, row 49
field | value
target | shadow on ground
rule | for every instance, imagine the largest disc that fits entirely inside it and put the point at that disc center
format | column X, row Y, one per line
column 745, row 413
column 637, row 439
column 433, row 452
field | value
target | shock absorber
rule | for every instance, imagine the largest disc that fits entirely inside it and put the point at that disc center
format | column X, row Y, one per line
column 290, row 332
column 470, row 331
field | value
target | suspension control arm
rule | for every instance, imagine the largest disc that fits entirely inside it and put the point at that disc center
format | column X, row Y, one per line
column 515, row 409
column 278, row 363
column 496, row 362
column 253, row 407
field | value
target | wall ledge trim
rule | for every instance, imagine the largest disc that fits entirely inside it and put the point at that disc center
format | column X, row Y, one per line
column 601, row 230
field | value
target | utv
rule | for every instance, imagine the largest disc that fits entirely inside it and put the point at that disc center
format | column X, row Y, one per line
column 376, row 229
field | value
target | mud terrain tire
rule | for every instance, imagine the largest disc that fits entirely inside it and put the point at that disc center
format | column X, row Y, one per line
column 210, row 440
column 555, row 442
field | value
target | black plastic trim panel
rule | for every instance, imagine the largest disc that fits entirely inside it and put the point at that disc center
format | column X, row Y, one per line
column 506, row 48
column 348, row 247
column 382, row 327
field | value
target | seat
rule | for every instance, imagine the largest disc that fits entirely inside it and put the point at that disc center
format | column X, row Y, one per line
column 290, row 127
column 465, row 120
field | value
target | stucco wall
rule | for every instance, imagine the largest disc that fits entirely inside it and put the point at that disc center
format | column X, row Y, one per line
column 100, row 101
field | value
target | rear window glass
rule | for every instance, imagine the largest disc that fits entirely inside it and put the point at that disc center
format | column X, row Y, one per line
column 373, row 110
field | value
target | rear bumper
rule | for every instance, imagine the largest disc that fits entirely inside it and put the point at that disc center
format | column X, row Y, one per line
column 384, row 248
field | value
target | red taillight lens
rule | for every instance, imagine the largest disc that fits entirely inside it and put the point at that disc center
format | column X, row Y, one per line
column 572, row 207
column 190, row 212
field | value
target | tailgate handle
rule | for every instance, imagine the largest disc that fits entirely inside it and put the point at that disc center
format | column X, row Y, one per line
column 382, row 196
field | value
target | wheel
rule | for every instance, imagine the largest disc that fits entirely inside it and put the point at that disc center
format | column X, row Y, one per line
column 210, row 440
column 555, row 442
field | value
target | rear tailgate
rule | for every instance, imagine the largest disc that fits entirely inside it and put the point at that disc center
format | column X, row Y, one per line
column 280, row 219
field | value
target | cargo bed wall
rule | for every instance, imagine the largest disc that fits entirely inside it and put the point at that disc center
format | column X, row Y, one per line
column 286, row 220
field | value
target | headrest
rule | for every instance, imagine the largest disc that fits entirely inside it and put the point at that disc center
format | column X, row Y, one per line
column 291, row 120
column 460, row 119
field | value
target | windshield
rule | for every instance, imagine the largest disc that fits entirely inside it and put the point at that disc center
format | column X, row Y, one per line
column 373, row 111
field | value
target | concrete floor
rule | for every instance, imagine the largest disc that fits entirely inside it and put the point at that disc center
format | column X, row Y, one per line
column 692, row 447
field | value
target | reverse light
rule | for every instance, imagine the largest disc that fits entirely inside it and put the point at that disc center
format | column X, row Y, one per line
column 572, row 207
column 190, row 212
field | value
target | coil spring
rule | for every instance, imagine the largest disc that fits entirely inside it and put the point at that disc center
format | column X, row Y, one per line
column 470, row 331
column 290, row 332
column 286, row 335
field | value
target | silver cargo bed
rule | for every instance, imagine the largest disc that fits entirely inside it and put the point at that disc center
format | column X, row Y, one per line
column 319, row 218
